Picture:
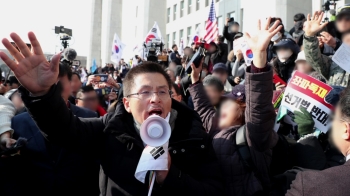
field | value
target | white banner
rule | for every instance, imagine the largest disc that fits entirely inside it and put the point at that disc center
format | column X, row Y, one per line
column 309, row 93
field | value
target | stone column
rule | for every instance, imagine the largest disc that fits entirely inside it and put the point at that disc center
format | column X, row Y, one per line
column 95, row 34
column 113, row 25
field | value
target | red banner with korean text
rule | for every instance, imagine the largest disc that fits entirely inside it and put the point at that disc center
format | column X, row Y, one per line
column 309, row 93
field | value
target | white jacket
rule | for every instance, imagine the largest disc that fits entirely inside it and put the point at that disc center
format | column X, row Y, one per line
column 7, row 111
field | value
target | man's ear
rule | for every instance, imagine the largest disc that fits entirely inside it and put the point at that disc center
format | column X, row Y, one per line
column 126, row 104
column 346, row 132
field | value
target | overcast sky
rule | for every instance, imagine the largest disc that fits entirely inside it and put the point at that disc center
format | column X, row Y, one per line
column 41, row 16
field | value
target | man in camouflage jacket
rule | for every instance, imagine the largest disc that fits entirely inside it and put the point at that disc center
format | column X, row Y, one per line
column 323, row 64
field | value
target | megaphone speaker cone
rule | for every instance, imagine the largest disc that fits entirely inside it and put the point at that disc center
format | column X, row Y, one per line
column 155, row 131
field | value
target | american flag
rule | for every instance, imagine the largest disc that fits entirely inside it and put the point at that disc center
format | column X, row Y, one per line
column 212, row 25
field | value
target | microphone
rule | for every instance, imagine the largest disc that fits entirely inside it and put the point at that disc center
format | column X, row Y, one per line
column 69, row 54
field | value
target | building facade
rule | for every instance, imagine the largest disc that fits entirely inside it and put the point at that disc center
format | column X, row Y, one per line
column 131, row 20
column 184, row 16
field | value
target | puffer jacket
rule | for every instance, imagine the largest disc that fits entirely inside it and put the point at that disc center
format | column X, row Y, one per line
column 260, row 135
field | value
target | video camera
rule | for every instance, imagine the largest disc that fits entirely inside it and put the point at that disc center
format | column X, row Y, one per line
column 196, row 58
column 153, row 49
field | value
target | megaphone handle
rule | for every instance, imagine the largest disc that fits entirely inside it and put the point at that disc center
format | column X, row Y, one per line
column 153, row 176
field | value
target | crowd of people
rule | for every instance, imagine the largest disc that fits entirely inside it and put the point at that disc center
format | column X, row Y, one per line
column 83, row 136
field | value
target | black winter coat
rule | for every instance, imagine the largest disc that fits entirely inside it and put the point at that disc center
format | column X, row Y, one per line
column 229, row 37
column 114, row 141
column 261, row 138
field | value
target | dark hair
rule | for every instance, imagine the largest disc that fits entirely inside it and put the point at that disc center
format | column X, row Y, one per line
column 177, row 89
column 77, row 74
column 173, row 46
column 282, row 29
column 145, row 67
column 65, row 70
column 236, row 23
column 344, row 104
column 84, row 89
column 299, row 17
column 213, row 81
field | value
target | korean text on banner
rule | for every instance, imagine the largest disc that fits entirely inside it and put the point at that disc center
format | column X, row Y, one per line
column 309, row 93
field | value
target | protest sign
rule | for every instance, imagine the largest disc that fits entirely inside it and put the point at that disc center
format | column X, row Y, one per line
column 242, row 45
column 309, row 93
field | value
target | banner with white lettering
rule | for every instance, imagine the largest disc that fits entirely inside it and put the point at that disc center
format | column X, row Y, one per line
column 309, row 93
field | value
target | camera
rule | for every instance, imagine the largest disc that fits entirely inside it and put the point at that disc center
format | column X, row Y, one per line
column 195, row 59
column 153, row 48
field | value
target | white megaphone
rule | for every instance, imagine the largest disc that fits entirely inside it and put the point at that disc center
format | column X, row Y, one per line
column 155, row 131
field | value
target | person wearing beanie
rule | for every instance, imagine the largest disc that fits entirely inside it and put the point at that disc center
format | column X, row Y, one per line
column 287, row 51
column 220, row 71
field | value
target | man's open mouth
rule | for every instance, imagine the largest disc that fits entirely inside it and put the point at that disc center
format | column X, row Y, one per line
column 156, row 112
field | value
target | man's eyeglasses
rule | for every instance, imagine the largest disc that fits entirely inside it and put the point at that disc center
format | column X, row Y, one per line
column 163, row 94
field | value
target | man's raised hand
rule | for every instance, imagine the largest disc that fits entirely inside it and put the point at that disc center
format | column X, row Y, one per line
column 313, row 25
column 31, row 68
column 259, row 42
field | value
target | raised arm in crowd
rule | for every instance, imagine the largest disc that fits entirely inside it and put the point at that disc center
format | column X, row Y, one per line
column 249, row 106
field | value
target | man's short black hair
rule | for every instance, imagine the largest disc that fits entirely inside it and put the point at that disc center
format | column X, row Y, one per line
column 299, row 17
column 65, row 70
column 173, row 46
column 177, row 89
column 77, row 74
column 145, row 67
column 344, row 105
column 84, row 89
column 213, row 81
column 236, row 23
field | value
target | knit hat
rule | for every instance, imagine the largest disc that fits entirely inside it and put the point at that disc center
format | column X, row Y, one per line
column 237, row 93
column 287, row 43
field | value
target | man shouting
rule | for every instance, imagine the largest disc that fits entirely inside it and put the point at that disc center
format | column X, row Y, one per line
column 114, row 139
